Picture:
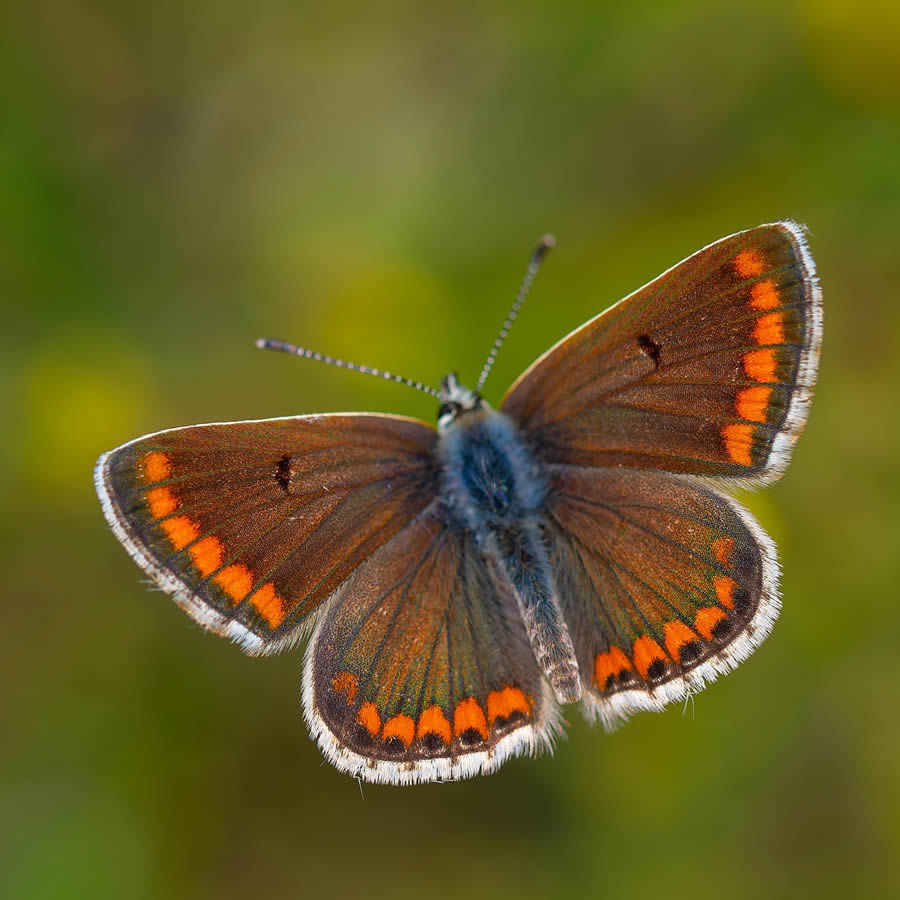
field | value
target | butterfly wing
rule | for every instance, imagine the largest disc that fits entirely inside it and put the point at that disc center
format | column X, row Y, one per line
column 665, row 584
column 708, row 369
column 252, row 525
column 423, row 671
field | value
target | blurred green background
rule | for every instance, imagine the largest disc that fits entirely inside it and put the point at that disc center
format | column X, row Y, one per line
column 176, row 181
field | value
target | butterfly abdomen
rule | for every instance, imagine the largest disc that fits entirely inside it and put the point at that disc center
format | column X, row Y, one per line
column 495, row 488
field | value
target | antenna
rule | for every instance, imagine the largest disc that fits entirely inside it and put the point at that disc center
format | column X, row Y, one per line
column 534, row 265
column 294, row 350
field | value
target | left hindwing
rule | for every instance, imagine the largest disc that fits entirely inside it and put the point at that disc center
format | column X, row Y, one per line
column 707, row 370
column 665, row 584
column 253, row 525
column 422, row 670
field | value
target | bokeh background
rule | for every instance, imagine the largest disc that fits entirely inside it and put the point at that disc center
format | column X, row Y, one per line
column 177, row 180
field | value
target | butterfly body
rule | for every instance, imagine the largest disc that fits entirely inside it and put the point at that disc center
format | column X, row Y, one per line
column 573, row 544
column 495, row 488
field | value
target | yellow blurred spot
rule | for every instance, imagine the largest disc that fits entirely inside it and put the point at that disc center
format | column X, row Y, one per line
column 80, row 396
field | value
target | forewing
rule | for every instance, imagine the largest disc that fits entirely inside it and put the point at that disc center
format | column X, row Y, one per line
column 252, row 525
column 708, row 369
column 422, row 671
column 665, row 584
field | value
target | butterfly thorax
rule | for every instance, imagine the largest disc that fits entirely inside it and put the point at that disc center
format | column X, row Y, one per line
column 494, row 488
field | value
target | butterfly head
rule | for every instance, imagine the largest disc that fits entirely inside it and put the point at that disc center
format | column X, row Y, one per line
column 456, row 401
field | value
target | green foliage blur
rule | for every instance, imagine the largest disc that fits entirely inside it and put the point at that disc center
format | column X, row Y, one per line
column 178, row 180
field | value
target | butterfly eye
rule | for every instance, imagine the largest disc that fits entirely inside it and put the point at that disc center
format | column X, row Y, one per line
column 451, row 409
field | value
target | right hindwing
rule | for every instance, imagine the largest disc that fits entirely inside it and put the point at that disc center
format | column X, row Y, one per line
column 664, row 582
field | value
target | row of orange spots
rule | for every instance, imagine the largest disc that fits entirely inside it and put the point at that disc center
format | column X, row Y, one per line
column 749, row 263
column 369, row 719
column 769, row 329
column 504, row 703
column 206, row 553
column 156, row 467
column 433, row 721
column 761, row 365
column 764, row 295
column 162, row 502
column 401, row 727
column 677, row 634
column 613, row 662
column 706, row 619
column 739, row 442
column 722, row 548
column 753, row 402
column 724, row 590
column 180, row 531
column 345, row 683
column 646, row 652
column 469, row 715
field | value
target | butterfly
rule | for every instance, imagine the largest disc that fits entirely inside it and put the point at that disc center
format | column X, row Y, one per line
column 573, row 545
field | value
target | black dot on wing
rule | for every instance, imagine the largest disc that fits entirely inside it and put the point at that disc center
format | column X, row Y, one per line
column 649, row 347
column 656, row 669
column 395, row 746
column 470, row 737
column 722, row 629
column 515, row 718
column 689, row 652
column 433, row 742
column 283, row 473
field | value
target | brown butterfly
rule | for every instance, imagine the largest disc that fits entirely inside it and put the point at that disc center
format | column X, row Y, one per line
column 572, row 545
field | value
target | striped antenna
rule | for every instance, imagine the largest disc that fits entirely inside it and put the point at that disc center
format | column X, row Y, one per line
column 293, row 349
column 534, row 265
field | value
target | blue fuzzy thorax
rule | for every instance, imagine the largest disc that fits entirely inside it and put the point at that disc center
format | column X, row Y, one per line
column 492, row 482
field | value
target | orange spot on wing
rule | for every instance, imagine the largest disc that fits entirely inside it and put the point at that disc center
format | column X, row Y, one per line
column 724, row 590
column 236, row 581
column 157, row 466
column 753, row 402
column 401, row 727
column 180, row 531
column 738, row 443
column 677, row 634
column 707, row 619
column 646, row 652
column 611, row 663
column 764, row 295
column 433, row 721
column 269, row 605
column 369, row 719
column 760, row 365
column 749, row 263
column 722, row 549
column 468, row 716
column 346, row 683
column 162, row 502
column 207, row 555
column 502, row 704
column 769, row 329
